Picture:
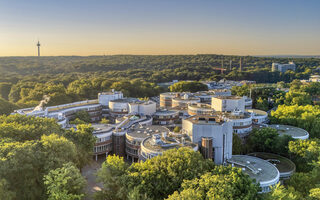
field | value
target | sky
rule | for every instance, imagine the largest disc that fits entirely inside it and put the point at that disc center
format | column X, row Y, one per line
column 107, row 27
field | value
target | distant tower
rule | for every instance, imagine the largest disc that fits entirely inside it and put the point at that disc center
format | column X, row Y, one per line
column 38, row 45
column 230, row 65
column 240, row 65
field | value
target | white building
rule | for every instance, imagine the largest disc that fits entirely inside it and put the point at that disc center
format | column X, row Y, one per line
column 121, row 107
column 162, row 141
column 264, row 172
column 228, row 103
column 258, row 116
column 183, row 100
column 294, row 132
column 283, row 67
column 314, row 78
column 105, row 97
column 197, row 127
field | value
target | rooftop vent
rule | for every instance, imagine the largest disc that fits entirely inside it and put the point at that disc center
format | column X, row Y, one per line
column 156, row 139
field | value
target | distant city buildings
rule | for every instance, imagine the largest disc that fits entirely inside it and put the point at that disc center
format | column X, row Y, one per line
column 283, row 67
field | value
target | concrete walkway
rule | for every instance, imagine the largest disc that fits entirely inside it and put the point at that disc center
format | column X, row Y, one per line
column 89, row 172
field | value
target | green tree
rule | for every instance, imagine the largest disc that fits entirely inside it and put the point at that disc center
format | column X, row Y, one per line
column 5, row 193
column 111, row 174
column 83, row 116
column 305, row 117
column 238, row 147
column 84, row 140
column 262, row 104
column 65, row 183
column 155, row 178
column 188, row 86
column 279, row 192
column 177, row 129
column 223, row 183
column 6, row 107
column 5, row 90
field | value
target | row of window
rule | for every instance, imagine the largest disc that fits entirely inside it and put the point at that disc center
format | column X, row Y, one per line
column 132, row 151
column 133, row 142
column 166, row 117
column 103, row 139
column 103, row 148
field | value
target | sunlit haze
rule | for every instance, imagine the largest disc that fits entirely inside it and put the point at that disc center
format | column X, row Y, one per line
column 104, row 27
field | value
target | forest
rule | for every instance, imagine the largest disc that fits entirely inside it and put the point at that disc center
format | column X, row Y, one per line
column 65, row 79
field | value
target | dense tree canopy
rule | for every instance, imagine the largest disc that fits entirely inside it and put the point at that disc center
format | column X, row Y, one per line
column 268, row 140
column 155, row 178
column 30, row 147
column 188, row 86
column 224, row 183
column 306, row 117
column 65, row 183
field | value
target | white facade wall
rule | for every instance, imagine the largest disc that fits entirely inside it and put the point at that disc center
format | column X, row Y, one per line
column 118, row 106
column 104, row 98
column 241, row 126
column 148, row 108
column 228, row 104
column 221, row 134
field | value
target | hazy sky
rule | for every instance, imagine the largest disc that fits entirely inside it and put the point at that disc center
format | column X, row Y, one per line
column 97, row 27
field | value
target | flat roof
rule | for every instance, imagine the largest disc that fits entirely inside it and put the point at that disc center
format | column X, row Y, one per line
column 138, row 131
column 283, row 164
column 257, row 112
column 166, row 112
column 228, row 97
column 190, row 98
column 169, row 94
column 99, row 128
column 170, row 142
column 260, row 170
column 200, row 105
column 125, row 100
column 294, row 132
column 233, row 115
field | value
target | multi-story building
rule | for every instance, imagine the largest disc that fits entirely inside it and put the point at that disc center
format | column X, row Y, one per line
column 121, row 107
column 228, row 103
column 166, row 117
column 258, row 116
column 105, row 97
column 65, row 112
column 248, row 103
column 283, row 67
column 197, row 127
column 241, row 121
column 166, row 99
column 103, row 134
column 200, row 109
column 285, row 166
column 157, row 144
column 314, row 78
column 205, row 96
column 136, row 134
column 265, row 173
column 184, row 100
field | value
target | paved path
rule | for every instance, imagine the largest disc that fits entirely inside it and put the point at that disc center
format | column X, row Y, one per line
column 89, row 172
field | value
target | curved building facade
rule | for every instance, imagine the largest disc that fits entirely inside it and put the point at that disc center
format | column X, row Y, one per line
column 200, row 109
column 265, row 173
column 166, row 99
column 165, row 117
column 136, row 134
